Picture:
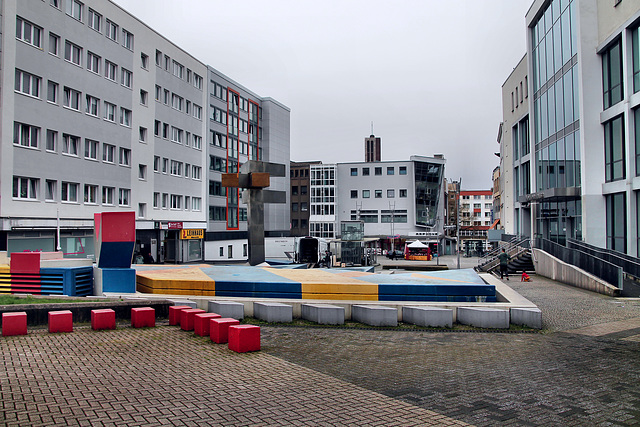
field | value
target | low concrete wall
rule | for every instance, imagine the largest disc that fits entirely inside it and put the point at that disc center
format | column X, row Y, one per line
column 555, row 269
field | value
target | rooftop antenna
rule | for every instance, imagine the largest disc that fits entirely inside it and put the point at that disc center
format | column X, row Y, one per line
column 371, row 127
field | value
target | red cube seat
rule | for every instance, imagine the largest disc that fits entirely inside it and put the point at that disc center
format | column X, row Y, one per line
column 186, row 318
column 143, row 317
column 60, row 321
column 103, row 319
column 201, row 323
column 175, row 312
column 219, row 329
column 14, row 323
column 244, row 338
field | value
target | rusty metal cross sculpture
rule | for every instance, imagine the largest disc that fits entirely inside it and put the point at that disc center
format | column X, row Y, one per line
column 254, row 177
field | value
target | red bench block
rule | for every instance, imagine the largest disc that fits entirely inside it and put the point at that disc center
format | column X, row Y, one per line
column 201, row 323
column 103, row 319
column 186, row 318
column 244, row 338
column 60, row 321
column 143, row 317
column 175, row 312
column 14, row 324
column 219, row 329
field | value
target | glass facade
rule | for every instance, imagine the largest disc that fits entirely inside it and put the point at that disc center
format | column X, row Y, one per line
column 612, row 74
column 614, row 149
column 428, row 177
column 322, row 201
column 617, row 222
column 636, row 59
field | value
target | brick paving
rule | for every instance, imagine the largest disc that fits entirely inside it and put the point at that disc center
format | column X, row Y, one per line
column 333, row 376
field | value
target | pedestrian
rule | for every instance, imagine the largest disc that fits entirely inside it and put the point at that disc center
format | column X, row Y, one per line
column 525, row 277
column 504, row 262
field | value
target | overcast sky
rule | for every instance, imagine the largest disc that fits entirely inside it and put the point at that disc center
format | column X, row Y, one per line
column 427, row 73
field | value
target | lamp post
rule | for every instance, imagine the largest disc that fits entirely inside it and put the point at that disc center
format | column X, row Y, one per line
column 459, row 186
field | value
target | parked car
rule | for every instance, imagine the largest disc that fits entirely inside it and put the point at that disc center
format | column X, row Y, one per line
column 395, row 254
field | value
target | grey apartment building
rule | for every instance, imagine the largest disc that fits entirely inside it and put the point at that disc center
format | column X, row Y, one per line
column 570, row 161
column 106, row 114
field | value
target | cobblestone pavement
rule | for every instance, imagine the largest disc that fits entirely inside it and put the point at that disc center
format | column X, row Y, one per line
column 583, row 369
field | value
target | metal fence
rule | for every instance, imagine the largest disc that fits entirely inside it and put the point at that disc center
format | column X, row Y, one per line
column 629, row 264
column 605, row 270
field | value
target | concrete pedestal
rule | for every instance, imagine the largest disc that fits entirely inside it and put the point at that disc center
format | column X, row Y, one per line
column 428, row 316
column 273, row 312
column 323, row 314
column 375, row 315
column 235, row 310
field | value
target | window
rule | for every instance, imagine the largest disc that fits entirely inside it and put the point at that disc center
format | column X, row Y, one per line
column 69, row 192
column 165, row 200
column 124, row 194
column 196, row 204
column 176, row 135
column 109, row 111
column 156, row 200
column 402, row 170
column 50, row 190
column 294, row 207
column 52, row 92
column 25, row 135
column 142, row 210
column 54, row 44
column 71, row 99
column 158, row 58
column 391, row 194
column 74, row 9
column 72, row 52
column 378, row 194
column 27, row 84
column 403, row 193
column 93, row 62
column 187, row 170
column 614, row 149
column 304, row 206
column 612, row 74
column 378, row 171
column 176, row 201
column 93, row 106
column 70, row 144
column 90, row 194
column 144, row 96
column 365, row 171
column 125, row 117
column 166, row 97
column 52, row 140
column 165, row 165
column 197, row 81
column 28, row 32
column 354, row 194
column 127, row 39
column 95, row 20
column 616, row 207
column 25, row 188
column 142, row 172
column 156, row 163
column 196, row 173
column 354, row 171
column 187, row 202
column 108, row 153
column 127, row 77
column 188, row 75
column 391, row 170
column 55, row 3
column 143, row 134
column 178, row 70
column 176, row 168
column 366, row 194
column 197, row 112
column 636, row 59
column 110, row 70
column 108, row 194
column 176, row 102
column 91, row 149
column 167, row 62
column 124, row 157
column 112, row 31
column 197, row 142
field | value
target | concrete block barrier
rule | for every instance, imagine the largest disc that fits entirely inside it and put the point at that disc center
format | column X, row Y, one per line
column 60, row 321
column 531, row 317
column 273, row 312
column 482, row 317
column 428, row 316
column 324, row 314
column 375, row 315
column 234, row 310
column 14, row 324
column 244, row 338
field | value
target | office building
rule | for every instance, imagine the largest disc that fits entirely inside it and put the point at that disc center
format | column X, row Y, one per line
column 323, row 218
column 475, row 219
column 300, row 198
column 372, row 149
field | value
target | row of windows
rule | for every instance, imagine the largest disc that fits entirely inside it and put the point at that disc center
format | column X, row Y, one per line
column 476, row 206
column 391, row 170
column 177, row 102
column 386, row 216
column 176, row 135
column 391, row 193
column 304, row 223
column 302, row 188
column 220, row 164
column 477, row 197
column 178, row 70
column 219, row 213
column 520, row 95
column 176, row 202
column 236, row 102
column 27, row 188
column 176, row 168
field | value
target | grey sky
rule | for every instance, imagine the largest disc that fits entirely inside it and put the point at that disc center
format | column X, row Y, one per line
column 428, row 73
